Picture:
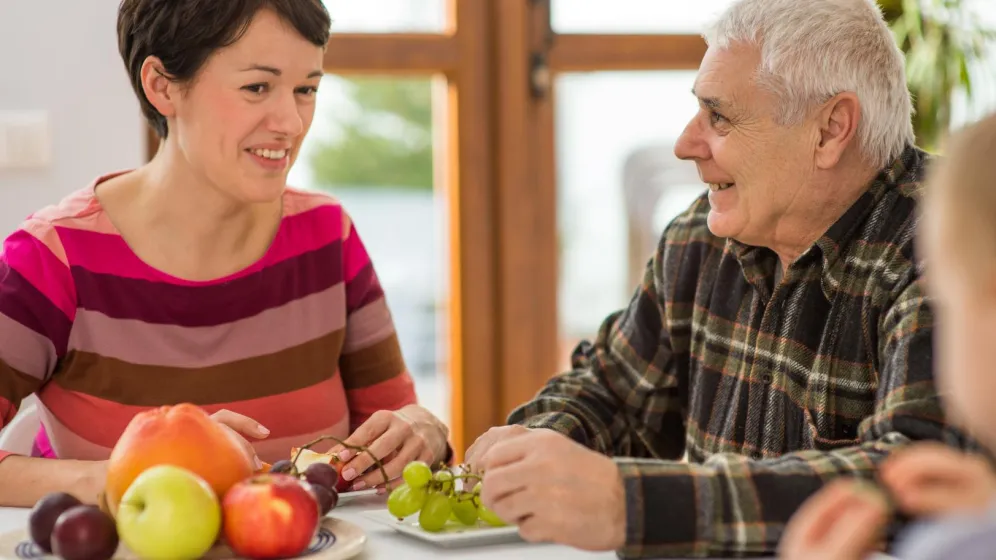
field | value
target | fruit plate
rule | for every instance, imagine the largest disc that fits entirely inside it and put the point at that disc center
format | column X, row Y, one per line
column 336, row 540
column 452, row 535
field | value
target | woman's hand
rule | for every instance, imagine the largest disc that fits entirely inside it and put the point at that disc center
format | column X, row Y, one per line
column 240, row 426
column 396, row 438
column 843, row 521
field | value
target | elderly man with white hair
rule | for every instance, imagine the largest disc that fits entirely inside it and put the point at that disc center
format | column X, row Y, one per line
column 780, row 338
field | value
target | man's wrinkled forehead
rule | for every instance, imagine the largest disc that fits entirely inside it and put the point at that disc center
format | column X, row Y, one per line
column 725, row 81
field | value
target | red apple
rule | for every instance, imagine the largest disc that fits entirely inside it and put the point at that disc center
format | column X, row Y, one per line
column 270, row 516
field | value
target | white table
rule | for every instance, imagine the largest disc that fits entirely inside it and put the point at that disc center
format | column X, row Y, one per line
column 383, row 542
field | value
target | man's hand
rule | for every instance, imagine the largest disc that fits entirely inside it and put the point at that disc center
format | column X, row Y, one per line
column 843, row 521
column 479, row 449
column 929, row 479
column 555, row 490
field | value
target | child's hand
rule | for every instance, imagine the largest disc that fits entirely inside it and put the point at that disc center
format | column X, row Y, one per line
column 930, row 479
column 843, row 521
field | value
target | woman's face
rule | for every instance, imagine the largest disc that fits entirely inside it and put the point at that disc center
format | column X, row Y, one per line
column 240, row 122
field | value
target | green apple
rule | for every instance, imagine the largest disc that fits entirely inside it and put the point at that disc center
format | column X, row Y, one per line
column 169, row 512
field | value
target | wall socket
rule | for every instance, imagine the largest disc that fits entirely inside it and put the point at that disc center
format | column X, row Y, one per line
column 25, row 140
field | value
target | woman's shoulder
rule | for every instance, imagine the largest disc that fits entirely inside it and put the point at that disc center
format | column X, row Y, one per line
column 77, row 210
column 78, row 205
column 317, row 211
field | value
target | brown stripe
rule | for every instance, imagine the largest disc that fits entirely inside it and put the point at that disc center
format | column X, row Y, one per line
column 373, row 364
column 144, row 385
column 15, row 387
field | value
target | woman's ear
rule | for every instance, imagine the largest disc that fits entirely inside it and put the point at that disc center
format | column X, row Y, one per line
column 159, row 88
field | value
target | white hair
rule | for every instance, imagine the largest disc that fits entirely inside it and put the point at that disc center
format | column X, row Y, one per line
column 812, row 50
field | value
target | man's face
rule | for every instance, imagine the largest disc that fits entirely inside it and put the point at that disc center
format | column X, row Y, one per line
column 757, row 170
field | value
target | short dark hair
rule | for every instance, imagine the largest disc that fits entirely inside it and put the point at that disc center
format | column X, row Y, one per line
column 184, row 33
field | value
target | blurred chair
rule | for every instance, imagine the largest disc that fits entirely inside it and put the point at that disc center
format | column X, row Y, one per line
column 653, row 175
column 19, row 436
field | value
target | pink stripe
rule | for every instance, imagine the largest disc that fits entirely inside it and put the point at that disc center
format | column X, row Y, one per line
column 287, row 414
column 25, row 350
column 43, row 269
column 306, row 232
column 298, row 201
column 108, row 253
column 354, row 254
column 138, row 342
column 79, row 204
column 391, row 394
column 273, row 449
column 367, row 326
column 48, row 236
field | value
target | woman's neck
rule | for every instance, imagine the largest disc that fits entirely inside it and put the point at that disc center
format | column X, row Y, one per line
column 177, row 220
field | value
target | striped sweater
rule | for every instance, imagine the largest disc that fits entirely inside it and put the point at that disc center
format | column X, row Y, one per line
column 302, row 341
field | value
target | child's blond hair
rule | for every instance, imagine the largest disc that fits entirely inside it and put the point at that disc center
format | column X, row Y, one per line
column 960, row 198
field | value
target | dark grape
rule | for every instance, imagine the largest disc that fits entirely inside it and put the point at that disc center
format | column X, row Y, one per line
column 44, row 515
column 322, row 474
column 282, row 466
column 327, row 499
column 84, row 533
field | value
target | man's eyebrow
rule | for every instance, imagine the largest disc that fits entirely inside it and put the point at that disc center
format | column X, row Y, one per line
column 713, row 103
column 277, row 71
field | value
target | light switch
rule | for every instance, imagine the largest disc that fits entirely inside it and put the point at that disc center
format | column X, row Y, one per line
column 25, row 140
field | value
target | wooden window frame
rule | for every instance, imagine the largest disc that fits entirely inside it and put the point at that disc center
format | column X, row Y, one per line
column 498, row 169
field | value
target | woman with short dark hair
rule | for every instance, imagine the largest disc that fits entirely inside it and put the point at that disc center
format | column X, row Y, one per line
column 201, row 276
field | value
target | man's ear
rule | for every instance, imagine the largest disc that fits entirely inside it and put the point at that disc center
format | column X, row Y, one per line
column 838, row 120
column 159, row 88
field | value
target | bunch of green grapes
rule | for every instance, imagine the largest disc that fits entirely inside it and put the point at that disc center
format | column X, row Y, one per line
column 436, row 500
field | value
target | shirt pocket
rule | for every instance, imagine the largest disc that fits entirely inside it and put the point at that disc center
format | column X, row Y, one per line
column 832, row 432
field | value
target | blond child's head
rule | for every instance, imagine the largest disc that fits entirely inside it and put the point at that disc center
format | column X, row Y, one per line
column 958, row 241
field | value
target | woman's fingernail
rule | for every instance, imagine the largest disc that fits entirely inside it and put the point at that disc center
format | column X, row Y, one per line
column 257, row 462
column 349, row 474
column 344, row 455
column 262, row 429
column 359, row 485
column 381, row 491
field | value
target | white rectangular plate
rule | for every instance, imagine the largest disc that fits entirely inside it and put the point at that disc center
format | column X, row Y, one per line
column 346, row 497
column 453, row 534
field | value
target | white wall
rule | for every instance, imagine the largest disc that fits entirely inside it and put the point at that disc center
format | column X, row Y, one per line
column 62, row 57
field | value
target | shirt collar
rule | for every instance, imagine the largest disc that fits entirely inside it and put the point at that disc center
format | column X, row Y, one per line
column 758, row 263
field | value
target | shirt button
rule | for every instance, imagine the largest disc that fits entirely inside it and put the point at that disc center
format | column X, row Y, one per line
column 766, row 378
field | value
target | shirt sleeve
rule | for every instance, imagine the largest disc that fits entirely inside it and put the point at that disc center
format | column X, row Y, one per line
column 372, row 367
column 622, row 395
column 37, row 305
column 731, row 505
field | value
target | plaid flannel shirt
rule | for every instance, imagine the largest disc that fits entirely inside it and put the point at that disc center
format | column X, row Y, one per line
column 771, row 390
